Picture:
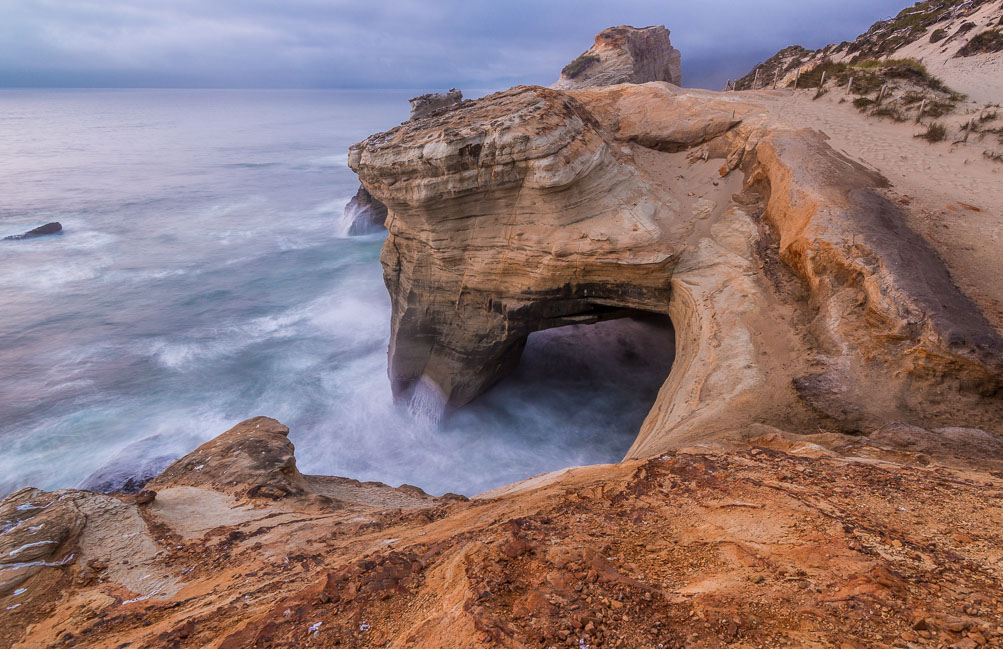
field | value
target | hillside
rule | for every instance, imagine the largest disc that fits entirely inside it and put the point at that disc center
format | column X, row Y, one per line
column 960, row 39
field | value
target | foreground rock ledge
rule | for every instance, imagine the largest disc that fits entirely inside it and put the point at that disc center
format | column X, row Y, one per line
column 774, row 540
column 799, row 296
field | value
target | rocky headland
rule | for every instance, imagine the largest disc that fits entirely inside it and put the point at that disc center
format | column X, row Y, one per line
column 625, row 54
column 823, row 466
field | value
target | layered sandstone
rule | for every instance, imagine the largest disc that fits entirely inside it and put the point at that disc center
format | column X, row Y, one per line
column 625, row 54
column 528, row 169
column 799, row 295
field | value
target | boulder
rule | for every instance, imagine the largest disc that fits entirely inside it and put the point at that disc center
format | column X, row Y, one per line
column 252, row 460
column 625, row 54
column 48, row 228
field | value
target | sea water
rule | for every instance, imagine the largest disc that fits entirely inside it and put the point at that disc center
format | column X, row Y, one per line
column 204, row 276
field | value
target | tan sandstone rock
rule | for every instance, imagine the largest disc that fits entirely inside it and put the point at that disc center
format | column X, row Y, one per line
column 799, row 296
column 625, row 54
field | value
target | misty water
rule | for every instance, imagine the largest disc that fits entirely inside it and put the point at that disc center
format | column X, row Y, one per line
column 203, row 277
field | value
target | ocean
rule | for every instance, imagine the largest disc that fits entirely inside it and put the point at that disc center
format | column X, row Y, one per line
column 204, row 276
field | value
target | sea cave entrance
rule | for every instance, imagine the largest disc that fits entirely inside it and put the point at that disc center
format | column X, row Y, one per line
column 582, row 390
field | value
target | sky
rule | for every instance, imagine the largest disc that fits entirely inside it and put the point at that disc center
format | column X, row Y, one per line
column 429, row 44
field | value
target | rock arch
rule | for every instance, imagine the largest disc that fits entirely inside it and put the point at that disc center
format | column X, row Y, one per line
column 799, row 296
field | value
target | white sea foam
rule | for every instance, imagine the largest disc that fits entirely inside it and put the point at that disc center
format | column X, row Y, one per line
column 187, row 294
column 333, row 160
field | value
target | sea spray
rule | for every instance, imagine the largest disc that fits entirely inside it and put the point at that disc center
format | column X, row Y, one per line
column 202, row 280
column 427, row 403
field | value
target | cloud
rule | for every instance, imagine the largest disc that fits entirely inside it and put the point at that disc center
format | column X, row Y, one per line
column 388, row 43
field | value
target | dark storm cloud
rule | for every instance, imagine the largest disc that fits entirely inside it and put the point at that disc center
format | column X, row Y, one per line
column 388, row 43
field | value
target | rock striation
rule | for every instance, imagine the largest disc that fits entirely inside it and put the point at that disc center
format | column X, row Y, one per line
column 625, row 54
column 432, row 102
column 799, row 296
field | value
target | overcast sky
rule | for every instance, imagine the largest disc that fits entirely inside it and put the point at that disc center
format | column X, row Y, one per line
column 416, row 44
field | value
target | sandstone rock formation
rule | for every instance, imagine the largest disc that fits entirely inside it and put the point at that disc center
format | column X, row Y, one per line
column 785, row 541
column 625, row 54
column 432, row 102
column 364, row 214
column 799, row 296
column 48, row 228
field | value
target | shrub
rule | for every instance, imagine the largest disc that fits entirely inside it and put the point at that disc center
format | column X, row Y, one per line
column 935, row 132
column 861, row 103
column 984, row 43
column 937, row 108
column 890, row 112
column 938, row 35
column 579, row 65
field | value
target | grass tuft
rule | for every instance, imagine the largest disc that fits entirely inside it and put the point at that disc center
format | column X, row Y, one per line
column 935, row 132
column 862, row 103
column 579, row 65
column 985, row 43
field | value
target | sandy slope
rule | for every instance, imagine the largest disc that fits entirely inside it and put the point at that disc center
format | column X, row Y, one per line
column 941, row 182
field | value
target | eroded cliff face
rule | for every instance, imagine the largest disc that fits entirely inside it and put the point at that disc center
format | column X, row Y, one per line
column 783, row 541
column 523, row 218
column 625, row 54
column 799, row 296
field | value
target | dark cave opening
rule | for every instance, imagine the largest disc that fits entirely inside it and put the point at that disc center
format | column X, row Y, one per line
column 589, row 384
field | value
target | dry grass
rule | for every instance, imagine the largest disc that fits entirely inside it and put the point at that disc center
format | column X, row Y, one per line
column 935, row 132
column 987, row 42
column 579, row 65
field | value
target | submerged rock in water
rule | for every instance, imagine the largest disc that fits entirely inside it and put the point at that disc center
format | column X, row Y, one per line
column 48, row 228
column 434, row 101
column 364, row 214
column 131, row 468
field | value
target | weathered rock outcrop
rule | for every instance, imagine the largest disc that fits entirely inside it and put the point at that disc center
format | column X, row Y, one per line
column 528, row 168
column 364, row 214
column 42, row 230
column 432, row 102
column 625, row 54
column 799, row 298
column 707, row 547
